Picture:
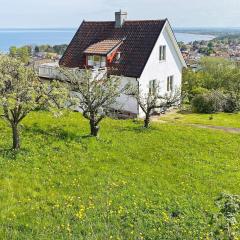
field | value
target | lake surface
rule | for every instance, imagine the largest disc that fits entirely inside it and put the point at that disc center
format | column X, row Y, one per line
column 20, row 37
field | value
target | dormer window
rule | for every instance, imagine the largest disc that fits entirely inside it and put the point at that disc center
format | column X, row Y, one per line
column 96, row 61
column 103, row 52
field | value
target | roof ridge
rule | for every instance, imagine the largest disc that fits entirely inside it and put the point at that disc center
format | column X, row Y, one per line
column 141, row 20
column 147, row 20
column 98, row 21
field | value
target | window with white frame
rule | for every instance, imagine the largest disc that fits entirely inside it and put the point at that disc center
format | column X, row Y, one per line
column 162, row 53
column 170, row 83
column 96, row 61
column 118, row 56
column 152, row 86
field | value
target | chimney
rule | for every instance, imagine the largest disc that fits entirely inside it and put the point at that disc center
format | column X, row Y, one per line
column 120, row 18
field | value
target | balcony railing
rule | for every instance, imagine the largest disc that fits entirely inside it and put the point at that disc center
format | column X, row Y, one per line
column 49, row 72
column 52, row 72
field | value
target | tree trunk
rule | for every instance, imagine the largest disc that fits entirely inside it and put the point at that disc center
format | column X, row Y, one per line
column 94, row 128
column 15, row 135
column 147, row 120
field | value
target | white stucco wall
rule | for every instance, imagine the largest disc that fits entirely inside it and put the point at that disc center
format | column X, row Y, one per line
column 125, row 102
column 160, row 70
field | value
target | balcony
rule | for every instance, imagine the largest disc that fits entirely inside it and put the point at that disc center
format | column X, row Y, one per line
column 51, row 71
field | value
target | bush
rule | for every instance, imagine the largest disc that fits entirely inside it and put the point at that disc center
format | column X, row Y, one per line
column 231, row 104
column 199, row 90
column 208, row 103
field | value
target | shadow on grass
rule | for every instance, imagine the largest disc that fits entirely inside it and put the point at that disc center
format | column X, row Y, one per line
column 185, row 111
column 56, row 132
column 9, row 153
column 137, row 129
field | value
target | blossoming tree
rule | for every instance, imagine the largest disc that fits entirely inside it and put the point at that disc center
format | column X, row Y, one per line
column 21, row 92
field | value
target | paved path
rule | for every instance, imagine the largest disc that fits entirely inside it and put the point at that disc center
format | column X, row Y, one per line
column 225, row 129
column 222, row 128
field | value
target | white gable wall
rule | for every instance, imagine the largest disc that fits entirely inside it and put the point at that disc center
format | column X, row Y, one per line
column 126, row 102
column 160, row 70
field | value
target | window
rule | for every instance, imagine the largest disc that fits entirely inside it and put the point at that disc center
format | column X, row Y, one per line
column 118, row 56
column 170, row 83
column 162, row 53
column 152, row 87
column 90, row 60
column 103, row 62
column 96, row 61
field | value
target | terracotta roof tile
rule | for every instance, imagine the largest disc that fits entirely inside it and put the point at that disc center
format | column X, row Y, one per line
column 103, row 47
column 139, row 39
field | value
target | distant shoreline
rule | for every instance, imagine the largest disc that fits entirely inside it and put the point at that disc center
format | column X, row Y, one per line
column 217, row 32
column 57, row 36
column 197, row 33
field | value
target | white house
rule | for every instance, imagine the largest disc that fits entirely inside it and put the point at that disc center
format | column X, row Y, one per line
column 142, row 52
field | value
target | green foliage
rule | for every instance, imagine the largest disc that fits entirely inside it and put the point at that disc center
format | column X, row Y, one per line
column 208, row 103
column 22, row 53
column 206, row 51
column 182, row 46
column 199, row 90
column 36, row 49
column 21, row 92
column 96, row 94
column 225, row 223
column 13, row 51
column 152, row 101
column 214, row 74
column 59, row 49
column 64, row 185
column 192, row 81
column 231, row 104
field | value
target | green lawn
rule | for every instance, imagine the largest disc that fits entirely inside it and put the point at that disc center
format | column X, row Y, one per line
column 130, row 183
column 218, row 119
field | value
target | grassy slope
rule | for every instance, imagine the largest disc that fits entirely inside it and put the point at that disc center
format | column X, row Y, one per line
column 129, row 184
column 219, row 119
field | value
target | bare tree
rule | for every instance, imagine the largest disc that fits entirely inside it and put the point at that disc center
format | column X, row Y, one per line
column 96, row 93
column 152, row 101
column 21, row 92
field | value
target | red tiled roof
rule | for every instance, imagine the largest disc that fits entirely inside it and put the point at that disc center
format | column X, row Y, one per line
column 103, row 47
column 139, row 38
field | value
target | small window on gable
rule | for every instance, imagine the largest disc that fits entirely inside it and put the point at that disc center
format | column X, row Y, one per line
column 162, row 53
column 118, row 56
column 170, row 83
column 152, row 87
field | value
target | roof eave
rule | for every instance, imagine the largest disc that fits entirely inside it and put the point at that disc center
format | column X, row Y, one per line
column 175, row 43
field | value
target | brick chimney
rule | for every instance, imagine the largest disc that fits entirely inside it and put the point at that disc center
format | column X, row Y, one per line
column 120, row 18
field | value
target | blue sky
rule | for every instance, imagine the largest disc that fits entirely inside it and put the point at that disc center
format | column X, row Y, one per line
column 70, row 13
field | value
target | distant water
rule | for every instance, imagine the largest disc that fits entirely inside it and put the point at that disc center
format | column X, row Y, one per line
column 20, row 37
column 189, row 37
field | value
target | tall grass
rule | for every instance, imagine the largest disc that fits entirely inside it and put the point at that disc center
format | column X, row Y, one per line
column 130, row 183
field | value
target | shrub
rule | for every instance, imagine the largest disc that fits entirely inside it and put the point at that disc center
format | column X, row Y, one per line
column 198, row 91
column 225, row 222
column 208, row 103
column 230, row 104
